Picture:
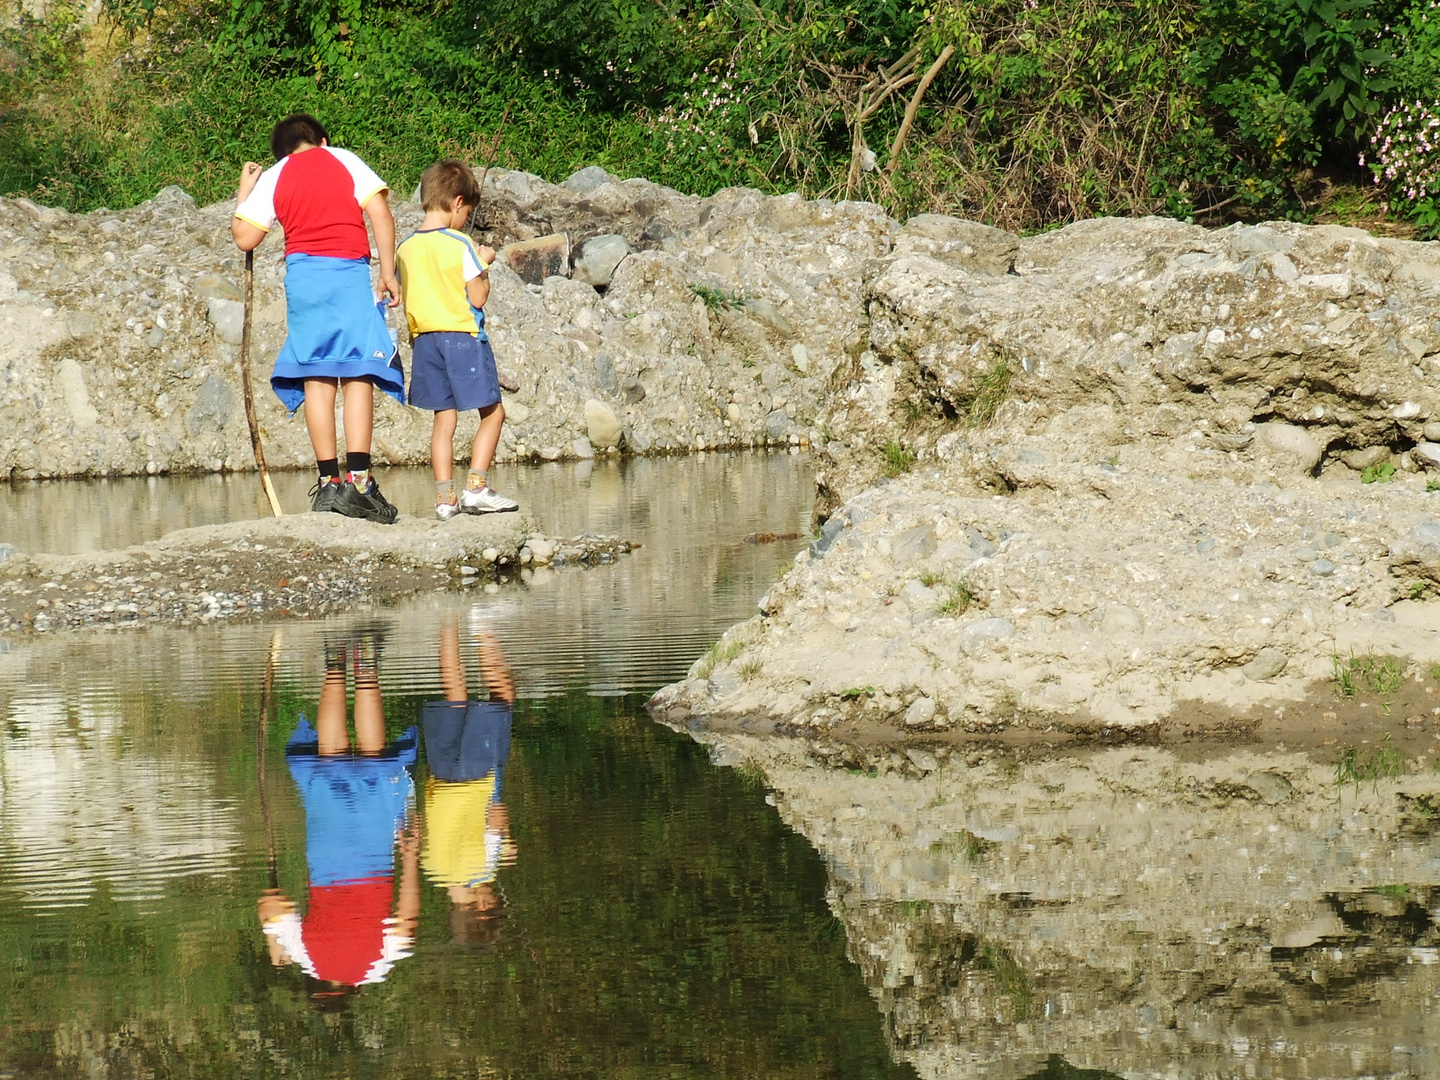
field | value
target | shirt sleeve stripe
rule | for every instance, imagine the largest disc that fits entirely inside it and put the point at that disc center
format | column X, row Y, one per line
column 252, row 221
column 367, row 198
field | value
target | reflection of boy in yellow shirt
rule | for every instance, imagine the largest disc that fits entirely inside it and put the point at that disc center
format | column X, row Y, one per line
column 467, row 828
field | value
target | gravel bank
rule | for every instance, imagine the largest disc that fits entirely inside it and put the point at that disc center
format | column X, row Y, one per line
column 302, row 564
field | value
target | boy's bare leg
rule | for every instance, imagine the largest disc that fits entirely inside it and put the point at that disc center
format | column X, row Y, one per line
column 320, row 416
column 452, row 672
column 359, row 413
column 495, row 670
column 442, row 445
column 330, row 727
column 487, row 438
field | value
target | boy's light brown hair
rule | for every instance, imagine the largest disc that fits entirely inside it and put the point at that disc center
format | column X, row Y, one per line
column 446, row 180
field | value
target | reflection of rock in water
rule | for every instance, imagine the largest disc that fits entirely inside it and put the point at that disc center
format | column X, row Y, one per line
column 1130, row 911
column 81, row 805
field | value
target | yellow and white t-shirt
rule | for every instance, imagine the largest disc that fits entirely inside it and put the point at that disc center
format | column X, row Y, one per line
column 435, row 265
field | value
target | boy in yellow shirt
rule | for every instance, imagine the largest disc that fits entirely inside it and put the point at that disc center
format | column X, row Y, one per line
column 446, row 282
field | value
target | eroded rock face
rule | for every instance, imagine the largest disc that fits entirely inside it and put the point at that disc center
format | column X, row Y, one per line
column 1127, row 909
column 119, row 352
column 1175, row 465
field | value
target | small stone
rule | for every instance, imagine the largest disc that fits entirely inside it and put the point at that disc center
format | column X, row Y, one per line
column 582, row 449
column 542, row 549
column 587, row 180
column 1288, row 445
column 831, row 530
column 469, row 571
column 1268, row 663
column 1208, row 544
column 768, row 315
column 1360, row 460
column 598, row 257
column 776, row 424
column 1426, row 454
column 490, row 554
column 605, row 374
column 801, row 356
column 923, row 760
column 1432, row 431
column 228, row 318
column 550, row 453
column 1271, row 787
column 602, row 425
column 913, row 544
column 632, row 390
column 977, row 636
column 732, row 412
column 1322, row 568
column 920, row 712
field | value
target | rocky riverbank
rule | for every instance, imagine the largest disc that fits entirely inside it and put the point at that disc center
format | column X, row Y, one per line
column 1141, row 476
column 305, row 564
column 1218, row 911
column 687, row 323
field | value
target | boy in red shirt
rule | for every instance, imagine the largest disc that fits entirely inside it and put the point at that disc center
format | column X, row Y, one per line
column 337, row 338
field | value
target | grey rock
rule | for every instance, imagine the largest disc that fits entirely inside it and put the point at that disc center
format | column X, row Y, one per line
column 977, row 636
column 587, row 180
column 920, row 712
column 582, row 449
column 1427, row 454
column 829, row 533
column 768, row 315
column 216, row 287
column 1120, row 619
column 1208, row 544
column 632, row 390
column 1329, row 540
column 174, row 193
column 228, row 318
column 1257, row 240
column 777, row 424
column 982, row 547
column 212, row 408
column 155, row 338
column 1225, row 440
column 913, row 544
column 1290, row 446
column 1426, row 532
column 598, row 257
column 1432, row 431
column 601, row 424
column 81, row 324
column 1268, row 663
column 923, row 760
column 967, row 245
column 535, row 260
column 919, row 598
column 605, row 374
column 1359, row 460
column 1270, row 786
column 1322, row 568
column 550, row 453
column 771, row 376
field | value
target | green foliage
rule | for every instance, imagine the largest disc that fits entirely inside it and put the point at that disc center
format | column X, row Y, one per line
column 1380, row 675
column 1357, row 767
column 717, row 300
column 1432, row 485
column 855, row 693
column 1378, row 474
column 958, row 598
column 897, row 459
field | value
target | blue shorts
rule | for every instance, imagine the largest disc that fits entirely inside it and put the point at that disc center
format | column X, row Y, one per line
column 453, row 370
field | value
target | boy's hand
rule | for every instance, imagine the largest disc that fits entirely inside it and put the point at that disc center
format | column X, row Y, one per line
column 249, row 176
column 487, row 254
column 390, row 285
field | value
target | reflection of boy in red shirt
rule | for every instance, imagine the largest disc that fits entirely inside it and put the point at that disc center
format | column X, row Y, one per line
column 356, row 805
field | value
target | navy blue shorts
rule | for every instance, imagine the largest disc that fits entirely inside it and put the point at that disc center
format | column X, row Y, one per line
column 452, row 370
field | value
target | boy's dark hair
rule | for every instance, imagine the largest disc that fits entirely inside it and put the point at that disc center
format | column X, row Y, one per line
column 444, row 181
column 295, row 129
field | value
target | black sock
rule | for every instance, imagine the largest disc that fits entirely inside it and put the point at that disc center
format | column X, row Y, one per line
column 329, row 469
column 356, row 461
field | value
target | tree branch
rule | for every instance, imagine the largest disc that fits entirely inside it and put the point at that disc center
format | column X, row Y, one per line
column 914, row 106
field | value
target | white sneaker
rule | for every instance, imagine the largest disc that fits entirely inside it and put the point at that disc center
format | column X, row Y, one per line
column 446, row 510
column 486, row 501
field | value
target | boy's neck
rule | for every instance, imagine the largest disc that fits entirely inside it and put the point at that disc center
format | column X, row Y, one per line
column 435, row 219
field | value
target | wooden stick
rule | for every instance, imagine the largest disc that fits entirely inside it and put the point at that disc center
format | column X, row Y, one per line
column 245, row 385
column 489, row 160
column 914, row 106
column 267, row 705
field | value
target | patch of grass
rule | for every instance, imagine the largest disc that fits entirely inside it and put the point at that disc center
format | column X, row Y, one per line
column 1380, row 675
column 992, row 387
column 722, row 652
column 1013, row 980
column 855, row 693
column 1417, row 589
column 718, row 300
column 750, row 668
column 1113, row 459
column 1356, row 766
column 965, row 844
column 929, row 578
column 1435, row 672
column 1396, row 892
column 1432, row 485
column 897, row 459
column 1378, row 474
column 958, row 598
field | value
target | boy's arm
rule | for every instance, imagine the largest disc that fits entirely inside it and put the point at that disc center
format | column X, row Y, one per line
column 477, row 289
column 383, row 222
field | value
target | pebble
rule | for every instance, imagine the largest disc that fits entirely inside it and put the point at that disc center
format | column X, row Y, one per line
column 1322, row 568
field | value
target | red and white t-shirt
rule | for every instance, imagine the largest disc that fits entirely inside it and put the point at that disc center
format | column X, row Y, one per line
column 317, row 196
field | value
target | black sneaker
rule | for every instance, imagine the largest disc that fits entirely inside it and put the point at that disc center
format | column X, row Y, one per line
column 368, row 504
column 322, row 495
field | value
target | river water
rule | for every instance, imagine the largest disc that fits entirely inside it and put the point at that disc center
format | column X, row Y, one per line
column 441, row 838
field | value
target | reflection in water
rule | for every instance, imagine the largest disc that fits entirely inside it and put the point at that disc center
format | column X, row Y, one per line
column 467, row 828
column 661, row 922
column 358, row 799
column 1132, row 910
